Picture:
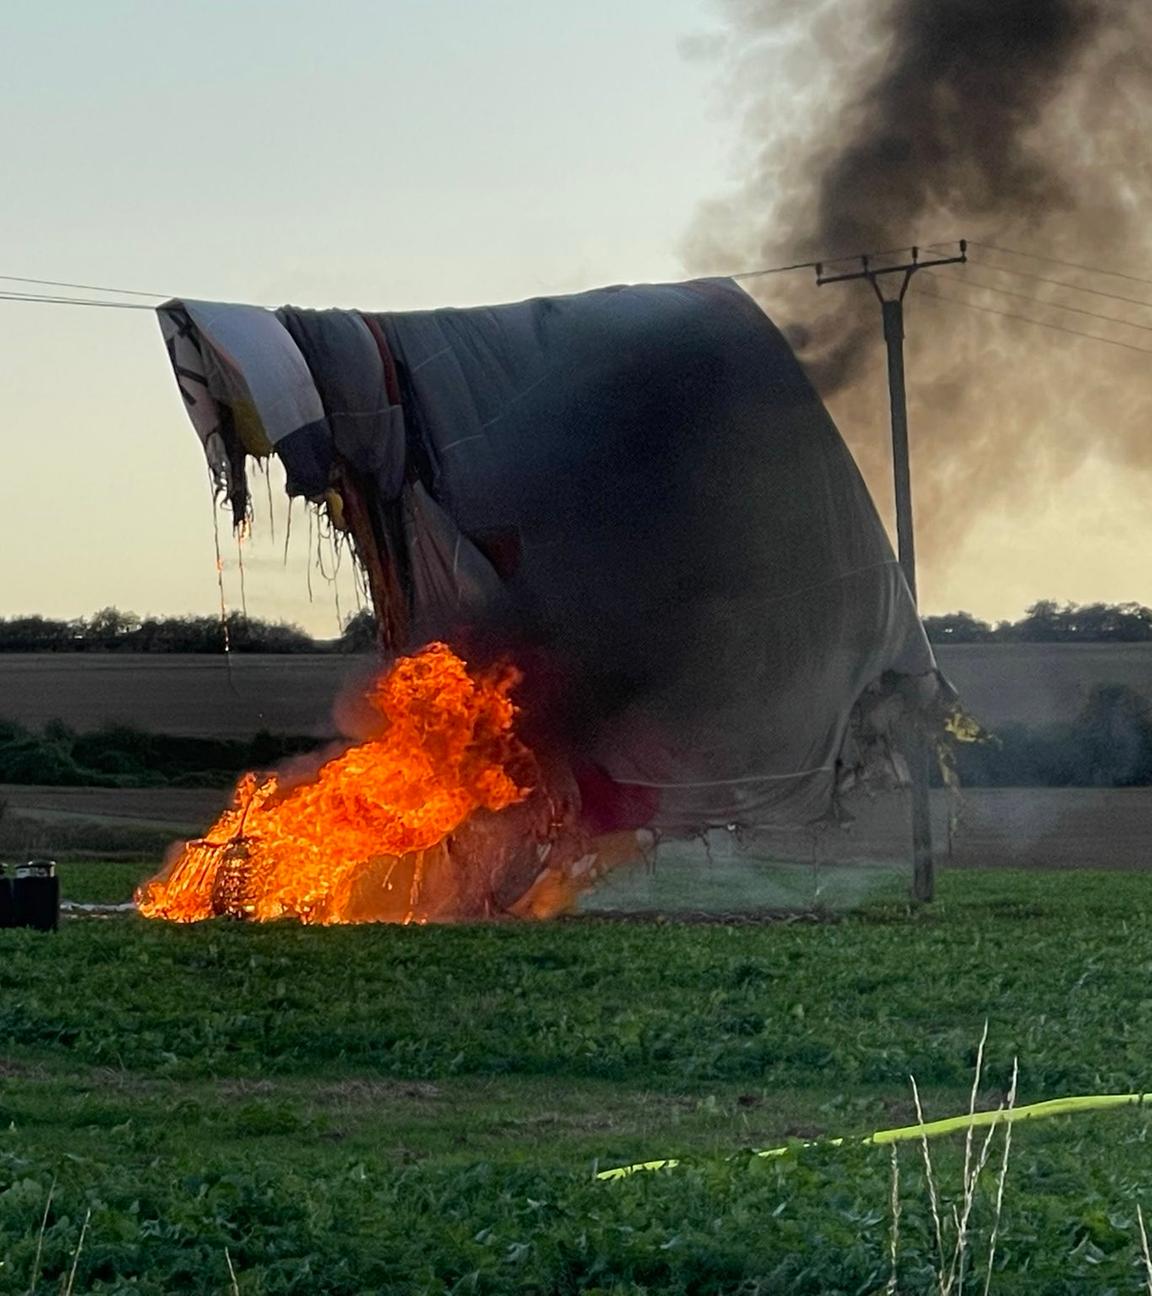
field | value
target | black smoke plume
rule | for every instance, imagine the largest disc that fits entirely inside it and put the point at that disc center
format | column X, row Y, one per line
column 1019, row 124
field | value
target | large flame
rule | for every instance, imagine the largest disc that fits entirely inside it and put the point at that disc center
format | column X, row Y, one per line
column 443, row 814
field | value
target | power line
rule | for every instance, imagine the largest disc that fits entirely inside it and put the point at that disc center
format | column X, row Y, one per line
column 1071, row 265
column 1063, row 283
column 61, row 283
column 753, row 274
column 739, row 274
column 73, row 301
column 51, row 300
column 54, row 300
column 1039, row 301
column 1058, row 328
column 134, row 292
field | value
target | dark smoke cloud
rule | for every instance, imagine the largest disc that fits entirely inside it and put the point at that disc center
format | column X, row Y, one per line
column 1021, row 123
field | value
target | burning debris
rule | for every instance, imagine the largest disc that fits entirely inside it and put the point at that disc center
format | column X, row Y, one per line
column 443, row 815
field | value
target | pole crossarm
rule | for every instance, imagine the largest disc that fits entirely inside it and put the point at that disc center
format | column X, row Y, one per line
column 907, row 269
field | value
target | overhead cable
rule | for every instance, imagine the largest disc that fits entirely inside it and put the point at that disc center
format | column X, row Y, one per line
column 73, row 301
column 738, row 274
column 1058, row 328
column 62, row 283
column 1071, row 265
column 1041, row 301
column 1061, row 283
column 134, row 292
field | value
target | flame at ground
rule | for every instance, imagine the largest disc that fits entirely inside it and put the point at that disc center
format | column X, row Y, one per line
column 444, row 815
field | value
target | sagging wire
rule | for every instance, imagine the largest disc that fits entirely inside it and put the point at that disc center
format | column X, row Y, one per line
column 327, row 530
column 320, row 537
column 336, row 578
column 224, row 631
column 359, row 584
column 308, row 564
column 271, row 509
column 242, row 533
column 220, row 574
column 329, row 569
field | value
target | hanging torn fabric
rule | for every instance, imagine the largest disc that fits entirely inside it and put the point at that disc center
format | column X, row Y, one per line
column 270, row 388
column 635, row 492
column 191, row 364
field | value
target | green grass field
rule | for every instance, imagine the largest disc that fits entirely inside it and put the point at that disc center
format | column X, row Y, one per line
column 422, row 1110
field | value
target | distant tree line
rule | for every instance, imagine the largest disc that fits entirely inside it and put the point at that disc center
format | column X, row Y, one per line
column 1108, row 744
column 1049, row 622
column 111, row 630
column 121, row 756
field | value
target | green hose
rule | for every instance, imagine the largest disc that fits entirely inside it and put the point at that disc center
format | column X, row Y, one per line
column 931, row 1129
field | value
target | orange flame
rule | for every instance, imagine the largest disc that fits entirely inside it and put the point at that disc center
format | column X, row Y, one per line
column 443, row 815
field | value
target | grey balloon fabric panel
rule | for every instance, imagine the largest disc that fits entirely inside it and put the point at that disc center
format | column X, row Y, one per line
column 637, row 491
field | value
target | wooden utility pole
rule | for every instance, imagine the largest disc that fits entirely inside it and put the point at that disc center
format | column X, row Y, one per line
column 892, row 314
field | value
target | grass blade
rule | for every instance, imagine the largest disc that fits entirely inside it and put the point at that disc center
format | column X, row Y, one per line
column 232, row 1273
column 933, row 1195
column 76, row 1254
column 970, row 1177
column 894, row 1231
column 40, row 1240
column 1144, row 1249
column 1003, row 1175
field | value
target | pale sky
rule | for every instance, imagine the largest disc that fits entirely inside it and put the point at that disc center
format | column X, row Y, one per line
column 361, row 153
